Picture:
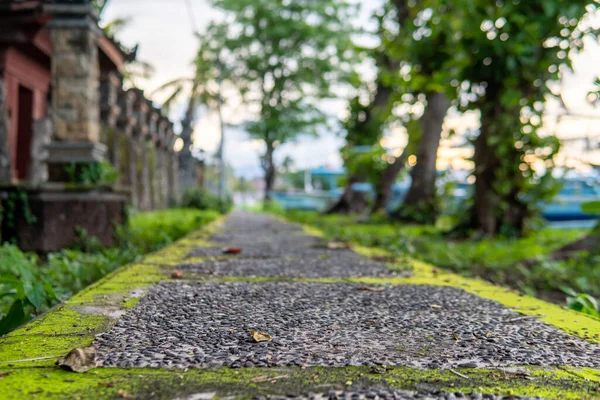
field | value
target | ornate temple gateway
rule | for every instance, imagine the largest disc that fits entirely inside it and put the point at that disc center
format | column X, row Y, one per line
column 64, row 120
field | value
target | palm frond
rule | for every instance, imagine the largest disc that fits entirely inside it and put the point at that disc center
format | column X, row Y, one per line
column 115, row 26
column 175, row 82
column 171, row 99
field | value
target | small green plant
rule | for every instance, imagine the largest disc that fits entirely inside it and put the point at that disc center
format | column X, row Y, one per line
column 582, row 302
column 204, row 200
column 16, row 203
column 98, row 173
column 23, row 291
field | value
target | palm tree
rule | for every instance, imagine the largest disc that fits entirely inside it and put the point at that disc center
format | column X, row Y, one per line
column 134, row 69
column 199, row 89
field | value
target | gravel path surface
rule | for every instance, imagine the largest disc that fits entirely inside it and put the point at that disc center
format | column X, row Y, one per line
column 341, row 264
column 272, row 248
column 181, row 325
column 207, row 324
column 397, row 395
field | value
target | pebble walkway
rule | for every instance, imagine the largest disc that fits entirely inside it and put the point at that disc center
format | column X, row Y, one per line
column 197, row 324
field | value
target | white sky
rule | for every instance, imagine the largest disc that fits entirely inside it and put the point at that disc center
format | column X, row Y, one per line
column 164, row 31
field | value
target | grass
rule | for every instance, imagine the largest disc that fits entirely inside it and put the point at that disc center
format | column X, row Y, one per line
column 30, row 285
column 496, row 260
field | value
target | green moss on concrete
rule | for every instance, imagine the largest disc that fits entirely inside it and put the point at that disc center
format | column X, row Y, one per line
column 52, row 383
column 372, row 252
column 128, row 304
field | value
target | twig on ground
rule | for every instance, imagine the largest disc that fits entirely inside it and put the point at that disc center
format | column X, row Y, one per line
column 524, row 318
column 459, row 374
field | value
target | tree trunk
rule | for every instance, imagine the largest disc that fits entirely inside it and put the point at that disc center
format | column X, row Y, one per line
column 420, row 206
column 351, row 202
column 269, row 169
column 375, row 117
column 492, row 212
column 187, row 166
column 384, row 189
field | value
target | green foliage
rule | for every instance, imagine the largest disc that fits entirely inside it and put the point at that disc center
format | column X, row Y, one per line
column 29, row 286
column 100, row 5
column 283, row 57
column 201, row 88
column 14, row 205
column 505, row 54
column 204, row 200
column 23, row 292
column 582, row 302
column 98, row 173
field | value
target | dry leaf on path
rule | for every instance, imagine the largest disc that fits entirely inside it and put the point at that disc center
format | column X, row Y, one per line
column 123, row 394
column 372, row 288
column 260, row 336
column 338, row 245
column 435, row 306
column 232, row 250
column 177, row 274
column 78, row 360
column 111, row 383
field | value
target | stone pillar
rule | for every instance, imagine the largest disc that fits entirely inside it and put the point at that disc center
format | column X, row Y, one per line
column 173, row 168
column 110, row 86
column 187, row 165
column 5, row 171
column 144, row 184
column 42, row 137
column 163, row 161
column 125, row 124
column 154, row 144
column 75, row 86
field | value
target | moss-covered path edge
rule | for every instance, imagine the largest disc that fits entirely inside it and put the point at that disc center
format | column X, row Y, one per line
column 27, row 355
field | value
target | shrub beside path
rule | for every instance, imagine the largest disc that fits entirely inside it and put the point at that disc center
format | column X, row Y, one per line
column 254, row 307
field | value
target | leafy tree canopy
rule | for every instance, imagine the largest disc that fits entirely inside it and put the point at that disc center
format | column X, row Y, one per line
column 284, row 56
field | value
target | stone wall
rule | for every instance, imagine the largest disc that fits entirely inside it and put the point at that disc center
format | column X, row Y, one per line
column 140, row 142
column 92, row 119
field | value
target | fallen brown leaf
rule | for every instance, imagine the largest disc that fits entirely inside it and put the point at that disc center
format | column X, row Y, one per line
column 78, row 360
column 123, row 394
column 177, row 274
column 338, row 245
column 111, row 383
column 232, row 250
column 260, row 336
column 3, row 374
column 372, row 288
